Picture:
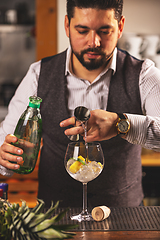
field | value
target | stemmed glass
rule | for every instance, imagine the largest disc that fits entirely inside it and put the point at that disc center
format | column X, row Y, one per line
column 84, row 162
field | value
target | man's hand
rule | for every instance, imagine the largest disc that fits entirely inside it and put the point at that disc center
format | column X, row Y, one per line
column 101, row 126
column 5, row 153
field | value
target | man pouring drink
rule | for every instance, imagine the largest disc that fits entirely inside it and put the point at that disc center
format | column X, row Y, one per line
column 121, row 92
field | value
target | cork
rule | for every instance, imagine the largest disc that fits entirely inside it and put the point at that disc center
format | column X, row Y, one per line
column 100, row 213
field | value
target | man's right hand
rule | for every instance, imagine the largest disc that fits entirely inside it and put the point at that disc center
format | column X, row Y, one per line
column 6, row 151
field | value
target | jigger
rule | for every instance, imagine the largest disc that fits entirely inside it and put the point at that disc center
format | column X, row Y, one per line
column 82, row 114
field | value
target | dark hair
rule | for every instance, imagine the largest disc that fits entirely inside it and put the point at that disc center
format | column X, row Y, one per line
column 117, row 5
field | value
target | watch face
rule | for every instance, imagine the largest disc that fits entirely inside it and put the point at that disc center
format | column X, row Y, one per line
column 123, row 126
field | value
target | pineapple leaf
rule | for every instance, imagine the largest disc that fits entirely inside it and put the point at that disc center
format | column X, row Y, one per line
column 13, row 233
column 44, row 225
column 29, row 218
column 59, row 216
column 23, row 205
column 19, row 236
column 21, row 223
column 41, row 217
column 14, row 221
column 34, row 236
column 25, row 214
column 39, row 207
column 37, row 219
column 16, row 218
column 13, row 225
column 27, row 237
column 8, row 216
column 15, row 206
column 22, row 211
column 53, row 234
column 48, row 222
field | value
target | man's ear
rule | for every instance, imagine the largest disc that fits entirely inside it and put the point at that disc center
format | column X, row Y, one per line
column 66, row 25
column 121, row 26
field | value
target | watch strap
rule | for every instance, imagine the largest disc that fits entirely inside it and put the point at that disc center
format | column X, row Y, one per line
column 122, row 116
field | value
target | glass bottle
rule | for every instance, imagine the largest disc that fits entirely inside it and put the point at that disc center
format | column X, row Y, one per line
column 4, row 186
column 29, row 132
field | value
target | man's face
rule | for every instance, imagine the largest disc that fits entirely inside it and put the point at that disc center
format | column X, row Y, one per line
column 93, row 36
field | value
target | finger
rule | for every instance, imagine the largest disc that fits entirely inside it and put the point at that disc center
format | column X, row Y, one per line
column 91, row 138
column 9, row 148
column 67, row 122
column 9, row 165
column 6, row 155
column 23, row 143
column 10, row 138
column 10, row 157
column 74, row 131
column 10, row 161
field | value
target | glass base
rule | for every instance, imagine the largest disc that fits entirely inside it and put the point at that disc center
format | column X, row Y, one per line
column 83, row 216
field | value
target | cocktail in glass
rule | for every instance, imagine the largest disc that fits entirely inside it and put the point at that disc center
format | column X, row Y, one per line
column 84, row 162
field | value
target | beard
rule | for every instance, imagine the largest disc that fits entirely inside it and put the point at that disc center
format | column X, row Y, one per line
column 92, row 64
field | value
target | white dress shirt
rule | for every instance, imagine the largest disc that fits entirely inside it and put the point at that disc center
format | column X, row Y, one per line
column 145, row 129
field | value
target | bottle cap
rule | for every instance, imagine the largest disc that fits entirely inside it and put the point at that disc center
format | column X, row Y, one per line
column 1, row 192
column 34, row 102
column 100, row 213
column 4, row 186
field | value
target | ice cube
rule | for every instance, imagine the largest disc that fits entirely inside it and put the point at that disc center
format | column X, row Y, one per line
column 88, row 172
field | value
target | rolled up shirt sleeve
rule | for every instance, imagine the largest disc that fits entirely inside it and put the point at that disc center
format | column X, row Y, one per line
column 145, row 129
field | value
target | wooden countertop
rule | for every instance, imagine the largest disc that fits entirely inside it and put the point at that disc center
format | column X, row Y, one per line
column 117, row 235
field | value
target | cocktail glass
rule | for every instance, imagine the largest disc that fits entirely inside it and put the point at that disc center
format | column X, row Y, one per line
column 84, row 162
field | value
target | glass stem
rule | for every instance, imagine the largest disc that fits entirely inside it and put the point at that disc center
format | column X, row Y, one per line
column 85, row 197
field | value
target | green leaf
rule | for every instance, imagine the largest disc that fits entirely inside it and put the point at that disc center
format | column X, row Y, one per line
column 23, row 206
column 52, row 234
column 39, row 207
column 43, row 225
column 22, row 211
column 29, row 218
column 37, row 219
column 59, row 216
column 41, row 217
column 21, row 223
column 15, row 206
column 25, row 214
column 14, row 221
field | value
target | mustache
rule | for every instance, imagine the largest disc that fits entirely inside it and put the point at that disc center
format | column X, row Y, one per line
column 95, row 50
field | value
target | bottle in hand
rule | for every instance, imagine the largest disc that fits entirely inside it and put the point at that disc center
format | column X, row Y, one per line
column 29, row 132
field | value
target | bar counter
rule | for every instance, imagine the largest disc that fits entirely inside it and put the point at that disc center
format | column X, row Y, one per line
column 123, row 223
column 118, row 235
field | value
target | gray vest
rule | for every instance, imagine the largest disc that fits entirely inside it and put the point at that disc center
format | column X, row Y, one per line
column 120, row 182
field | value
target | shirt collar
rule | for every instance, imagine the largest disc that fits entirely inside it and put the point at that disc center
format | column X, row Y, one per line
column 111, row 65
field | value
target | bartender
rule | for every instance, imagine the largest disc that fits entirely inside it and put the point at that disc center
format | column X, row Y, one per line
column 122, row 92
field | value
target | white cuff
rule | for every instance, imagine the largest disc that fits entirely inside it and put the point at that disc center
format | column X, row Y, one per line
column 138, row 131
column 6, row 172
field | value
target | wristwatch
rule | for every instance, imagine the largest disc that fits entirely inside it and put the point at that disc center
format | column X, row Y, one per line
column 123, row 124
